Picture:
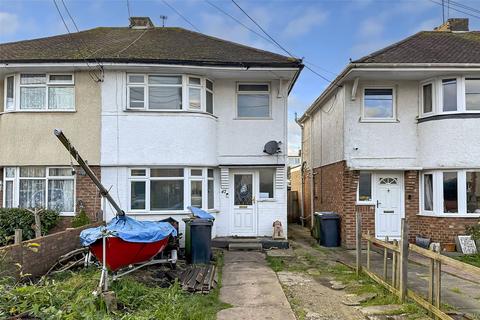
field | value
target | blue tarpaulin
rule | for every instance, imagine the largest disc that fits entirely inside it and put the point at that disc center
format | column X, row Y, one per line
column 202, row 214
column 131, row 230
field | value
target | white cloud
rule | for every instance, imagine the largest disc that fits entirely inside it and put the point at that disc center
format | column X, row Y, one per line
column 8, row 23
column 372, row 27
column 305, row 22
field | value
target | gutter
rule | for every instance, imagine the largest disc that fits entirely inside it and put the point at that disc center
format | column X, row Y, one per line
column 294, row 80
column 302, row 182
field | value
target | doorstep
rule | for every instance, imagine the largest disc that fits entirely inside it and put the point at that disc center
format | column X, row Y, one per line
column 266, row 242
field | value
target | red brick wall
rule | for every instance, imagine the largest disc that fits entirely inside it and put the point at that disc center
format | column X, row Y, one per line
column 336, row 190
column 439, row 229
column 38, row 263
column 87, row 193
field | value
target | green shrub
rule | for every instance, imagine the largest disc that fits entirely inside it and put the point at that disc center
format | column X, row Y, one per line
column 17, row 218
column 474, row 231
column 81, row 219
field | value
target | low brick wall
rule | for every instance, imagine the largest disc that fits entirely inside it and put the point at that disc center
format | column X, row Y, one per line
column 50, row 248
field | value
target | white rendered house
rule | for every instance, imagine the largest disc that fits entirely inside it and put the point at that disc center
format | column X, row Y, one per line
column 182, row 129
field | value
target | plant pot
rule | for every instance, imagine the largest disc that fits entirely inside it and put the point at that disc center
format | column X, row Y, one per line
column 449, row 247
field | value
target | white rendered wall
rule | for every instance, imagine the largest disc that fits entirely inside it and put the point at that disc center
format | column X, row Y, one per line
column 449, row 143
column 382, row 145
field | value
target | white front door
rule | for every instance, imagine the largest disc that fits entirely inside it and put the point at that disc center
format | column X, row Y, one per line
column 244, row 213
column 389, row 208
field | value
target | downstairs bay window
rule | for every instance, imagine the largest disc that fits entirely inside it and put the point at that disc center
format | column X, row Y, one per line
column 170, row 189
column 450, row 193
column 40, row 187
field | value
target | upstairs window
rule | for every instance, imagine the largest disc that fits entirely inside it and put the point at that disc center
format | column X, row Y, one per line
column 427, row 98
column 472, row 94
column 9, row 92
column 378, row 104
column 47, row 92
column 154, row 92
column 449, row 94
column 253, row 100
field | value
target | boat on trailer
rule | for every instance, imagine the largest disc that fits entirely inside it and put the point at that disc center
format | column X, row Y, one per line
column 124, row 244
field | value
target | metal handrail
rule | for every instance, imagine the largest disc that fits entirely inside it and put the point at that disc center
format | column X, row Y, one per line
column 82, row 163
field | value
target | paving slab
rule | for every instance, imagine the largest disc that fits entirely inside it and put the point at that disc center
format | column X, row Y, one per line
column 252, row 288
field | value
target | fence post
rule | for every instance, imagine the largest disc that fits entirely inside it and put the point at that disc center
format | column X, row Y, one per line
column 368, row 251
column 359, row 242
column 438, row 280
column 385, row 261
column 18, row 236
column 394, row 265
column 404, row 261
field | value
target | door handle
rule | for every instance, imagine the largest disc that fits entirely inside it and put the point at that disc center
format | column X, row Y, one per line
column 378, row 204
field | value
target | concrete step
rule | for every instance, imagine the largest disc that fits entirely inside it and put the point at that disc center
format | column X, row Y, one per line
column 245, row 246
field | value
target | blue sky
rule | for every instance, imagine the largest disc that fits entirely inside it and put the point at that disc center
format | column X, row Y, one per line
column 326, row 33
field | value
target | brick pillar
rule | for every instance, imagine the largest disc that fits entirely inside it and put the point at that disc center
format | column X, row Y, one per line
column 86, row 192
column 412, row 195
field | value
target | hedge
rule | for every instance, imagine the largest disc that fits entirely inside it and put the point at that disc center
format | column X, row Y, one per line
column 17, row 218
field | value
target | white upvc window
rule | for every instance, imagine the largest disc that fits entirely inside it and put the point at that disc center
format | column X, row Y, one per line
column 9, row 92
column 40, row 187
column 267, row 183
column 450, row 192
column 253, row 100
column 42, row 92
column 170, row 189
column 166, row 92
column 379, row 104
column 427, row 98
column 450, row 95
column 365, row 188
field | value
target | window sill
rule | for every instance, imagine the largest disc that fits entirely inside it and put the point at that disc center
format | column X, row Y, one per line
column 364, row 203
column 67, row 214
column 364, row 120
column 173, row 212
column 169, row 111
column 38, row 111
column 267, row 200
column 450, row 115
column 449, row 215
column 253, row 118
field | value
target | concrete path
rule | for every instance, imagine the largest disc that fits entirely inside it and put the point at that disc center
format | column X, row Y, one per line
column 252, row 288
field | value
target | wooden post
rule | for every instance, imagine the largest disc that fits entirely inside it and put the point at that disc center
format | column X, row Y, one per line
column 403, row 262
column 359, row 242
column 18, row 236
column 438, row 289
column 368, row 251
column 385, row 261
column 431, row 282
column 394, row 266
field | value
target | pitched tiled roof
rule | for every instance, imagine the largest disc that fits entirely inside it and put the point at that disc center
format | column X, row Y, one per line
column 430, row 47
column 154, row 45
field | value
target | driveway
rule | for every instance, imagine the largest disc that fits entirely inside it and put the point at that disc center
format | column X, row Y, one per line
column 252, row 288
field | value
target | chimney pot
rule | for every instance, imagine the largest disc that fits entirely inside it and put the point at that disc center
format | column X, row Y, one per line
column 454, row 24
column 141, row 23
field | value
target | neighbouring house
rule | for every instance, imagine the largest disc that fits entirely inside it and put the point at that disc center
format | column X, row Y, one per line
column 168, row 117
column 397, row 134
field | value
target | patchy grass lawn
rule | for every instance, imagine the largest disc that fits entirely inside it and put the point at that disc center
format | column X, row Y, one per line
column 473, row 259
column 69, row 296
column 319, row 263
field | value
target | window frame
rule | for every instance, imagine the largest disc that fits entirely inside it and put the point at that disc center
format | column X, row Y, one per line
column 394, row 118
column 438, row 200
column 434, row 97
column 47, row 177
column 477, row 77
column 372, row 179
column 459, row 94
column 18, row 85
column 274, row 191
column 5, row 104
column 269, row 93
column 187, row 179
column 212, row 91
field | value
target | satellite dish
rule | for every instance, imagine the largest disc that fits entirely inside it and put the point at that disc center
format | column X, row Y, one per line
column 271, row 147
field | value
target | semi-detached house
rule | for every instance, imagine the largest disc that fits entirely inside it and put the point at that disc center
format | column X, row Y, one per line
column 397, row 134
column 167, row 117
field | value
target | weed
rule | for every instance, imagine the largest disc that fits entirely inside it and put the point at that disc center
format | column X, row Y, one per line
column 456, row 290
column 277, row 264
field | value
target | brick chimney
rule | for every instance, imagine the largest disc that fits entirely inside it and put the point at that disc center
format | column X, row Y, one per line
column 454, row 24
column 141, row 23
